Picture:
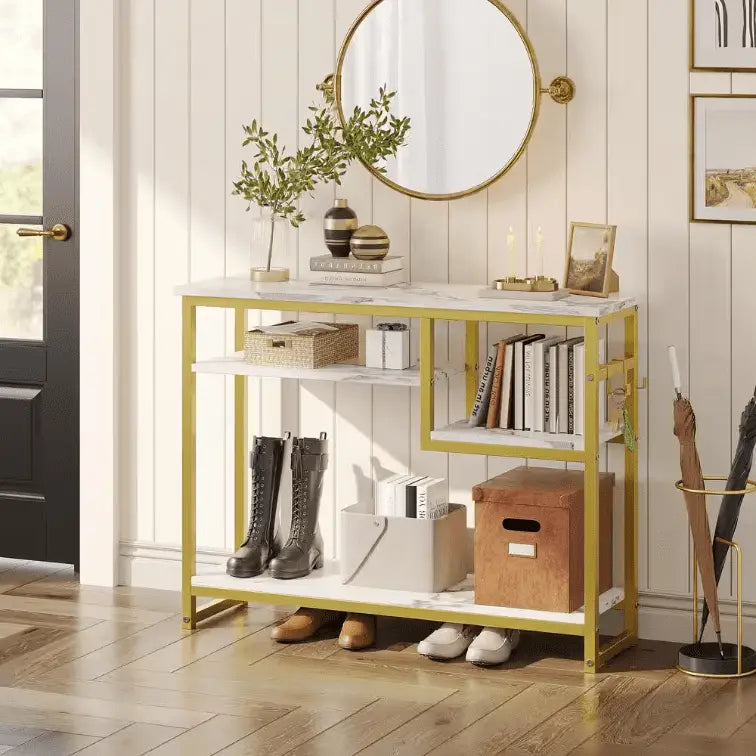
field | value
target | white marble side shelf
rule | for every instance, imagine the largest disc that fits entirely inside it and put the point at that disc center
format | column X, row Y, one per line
column 415, row 296
column 236, row 365
column 462, row 432
column 326, row 584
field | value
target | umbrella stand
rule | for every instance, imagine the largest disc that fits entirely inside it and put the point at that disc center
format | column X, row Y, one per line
column 705, row 659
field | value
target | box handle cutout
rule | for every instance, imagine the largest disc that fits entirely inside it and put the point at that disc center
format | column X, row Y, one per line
column 521, row 525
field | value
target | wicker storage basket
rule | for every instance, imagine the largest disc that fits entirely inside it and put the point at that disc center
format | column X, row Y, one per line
column 307, row 349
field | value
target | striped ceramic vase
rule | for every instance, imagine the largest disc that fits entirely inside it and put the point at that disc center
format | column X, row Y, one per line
column 339, row 223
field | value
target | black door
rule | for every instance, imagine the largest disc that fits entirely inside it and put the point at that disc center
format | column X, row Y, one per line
column 39, row 282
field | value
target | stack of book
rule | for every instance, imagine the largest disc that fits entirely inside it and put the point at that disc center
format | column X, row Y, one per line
column 349, row 271
column 416, row 496
column 534, row 383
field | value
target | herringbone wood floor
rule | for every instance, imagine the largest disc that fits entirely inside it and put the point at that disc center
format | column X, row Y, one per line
column 95, row 671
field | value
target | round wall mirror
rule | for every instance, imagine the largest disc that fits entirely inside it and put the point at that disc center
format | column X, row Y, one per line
column 464, row 73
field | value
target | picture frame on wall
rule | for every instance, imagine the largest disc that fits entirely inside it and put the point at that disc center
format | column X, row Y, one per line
column 723, row 158
column 723, row 35
column 590, row 253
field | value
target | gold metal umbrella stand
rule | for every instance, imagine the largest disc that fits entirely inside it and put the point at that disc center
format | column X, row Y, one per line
column 704, row 659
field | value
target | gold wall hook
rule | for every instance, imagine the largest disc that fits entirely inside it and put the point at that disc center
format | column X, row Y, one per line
column 561, row 90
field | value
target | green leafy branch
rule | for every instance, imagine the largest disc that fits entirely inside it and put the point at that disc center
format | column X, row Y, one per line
column 275, row 180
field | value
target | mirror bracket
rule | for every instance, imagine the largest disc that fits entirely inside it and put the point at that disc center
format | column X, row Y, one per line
column 561, row 90
column 327, row 87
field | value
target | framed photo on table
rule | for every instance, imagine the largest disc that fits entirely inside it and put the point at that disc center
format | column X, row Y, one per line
column 723, row 35
column 589, row 260
column 723, row 158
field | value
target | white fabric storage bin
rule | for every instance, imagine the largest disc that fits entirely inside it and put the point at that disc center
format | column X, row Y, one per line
column 402, row 553
column 389, row 350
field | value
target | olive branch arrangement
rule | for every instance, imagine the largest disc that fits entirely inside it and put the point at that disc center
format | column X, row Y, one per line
column 276, row 180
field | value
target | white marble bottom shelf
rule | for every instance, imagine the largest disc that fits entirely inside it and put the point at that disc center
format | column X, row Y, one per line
column 326, row 584
column 462, row 432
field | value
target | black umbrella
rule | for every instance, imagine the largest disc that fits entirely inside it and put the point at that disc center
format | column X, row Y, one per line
column 729, row 509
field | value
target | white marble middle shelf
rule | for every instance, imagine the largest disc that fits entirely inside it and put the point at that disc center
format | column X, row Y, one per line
column 462, row 432
column 327, row 584
column 236, row 365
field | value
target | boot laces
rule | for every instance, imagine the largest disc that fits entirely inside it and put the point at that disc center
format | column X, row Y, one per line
column 298, row 498
column 258, row 501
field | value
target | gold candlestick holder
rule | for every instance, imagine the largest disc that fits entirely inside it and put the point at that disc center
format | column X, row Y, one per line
column 531, row 283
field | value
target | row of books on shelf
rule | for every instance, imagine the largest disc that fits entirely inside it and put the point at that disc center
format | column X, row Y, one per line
column 534, row 383
column 417, row 496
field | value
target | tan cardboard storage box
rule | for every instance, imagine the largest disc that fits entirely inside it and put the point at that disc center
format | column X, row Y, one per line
column 402, row 553
column 529, row 539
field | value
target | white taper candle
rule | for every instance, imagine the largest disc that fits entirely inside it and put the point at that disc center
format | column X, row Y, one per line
column 675, row 369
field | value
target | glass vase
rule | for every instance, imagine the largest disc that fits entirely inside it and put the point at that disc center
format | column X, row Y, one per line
column 271, row 248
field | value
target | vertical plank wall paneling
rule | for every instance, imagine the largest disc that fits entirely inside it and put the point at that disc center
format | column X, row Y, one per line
column 138, row 522
column 243, row 95
column 668, row 284
column 172, row 223
column 627, row 207
column 618, row 153
column 207, row 226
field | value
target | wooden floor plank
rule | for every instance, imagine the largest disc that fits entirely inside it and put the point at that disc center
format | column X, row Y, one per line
column 656, row 714
column 76, row 609
column 125, row 710
column 361, row 730
column 218, row 703
column 443, row 721
column 505, row 724
column 209, row 738
column 134, row 740
column 723, row 714
column 23, row 573
column 53, row 744
column 59, row 721
column 288, row 732
column 13, row 735
column 587, row 715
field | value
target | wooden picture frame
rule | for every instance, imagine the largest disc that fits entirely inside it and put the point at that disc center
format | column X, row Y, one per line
column 722, row 168
column 581, row 275
column 722, row 35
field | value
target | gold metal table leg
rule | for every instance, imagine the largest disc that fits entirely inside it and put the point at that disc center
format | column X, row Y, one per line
column 188, row 463
column 240, row 433
column 427, row 387
column 631, row 483
column 591, row 497
column 472, row 342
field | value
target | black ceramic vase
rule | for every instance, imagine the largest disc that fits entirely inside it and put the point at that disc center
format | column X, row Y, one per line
column 339, row 223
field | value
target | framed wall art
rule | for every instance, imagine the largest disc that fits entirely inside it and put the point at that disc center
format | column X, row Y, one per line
column 723, row 158
column 589, row 260
column 723, row 35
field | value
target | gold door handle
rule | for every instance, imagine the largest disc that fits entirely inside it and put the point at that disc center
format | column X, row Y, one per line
column 59, row 232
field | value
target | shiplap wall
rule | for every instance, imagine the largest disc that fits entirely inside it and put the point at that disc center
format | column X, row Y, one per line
column 195, row 70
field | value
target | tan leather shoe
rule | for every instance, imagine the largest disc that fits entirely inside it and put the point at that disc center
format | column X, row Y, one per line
column 303, row 624
column 358, row 631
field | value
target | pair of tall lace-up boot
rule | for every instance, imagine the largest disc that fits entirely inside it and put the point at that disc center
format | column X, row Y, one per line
column 283, row 534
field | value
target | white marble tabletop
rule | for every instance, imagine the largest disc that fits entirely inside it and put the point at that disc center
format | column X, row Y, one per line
column 437, row 296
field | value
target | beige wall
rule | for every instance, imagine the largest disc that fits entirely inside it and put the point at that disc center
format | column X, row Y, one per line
column 195, row 70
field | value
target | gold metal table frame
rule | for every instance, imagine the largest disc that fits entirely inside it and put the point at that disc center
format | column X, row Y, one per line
column 595, row 654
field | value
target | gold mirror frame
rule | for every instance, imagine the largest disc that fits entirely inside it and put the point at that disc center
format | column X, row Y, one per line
column 561, row 90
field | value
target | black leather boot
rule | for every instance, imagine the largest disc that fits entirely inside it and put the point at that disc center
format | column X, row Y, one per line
column 303, row 551
column 258, row 549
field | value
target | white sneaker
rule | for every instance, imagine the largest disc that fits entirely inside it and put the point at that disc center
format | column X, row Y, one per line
column 448, row 642
column 494, row 645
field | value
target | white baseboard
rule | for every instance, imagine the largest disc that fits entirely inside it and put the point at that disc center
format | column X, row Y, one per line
column 661, row 616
